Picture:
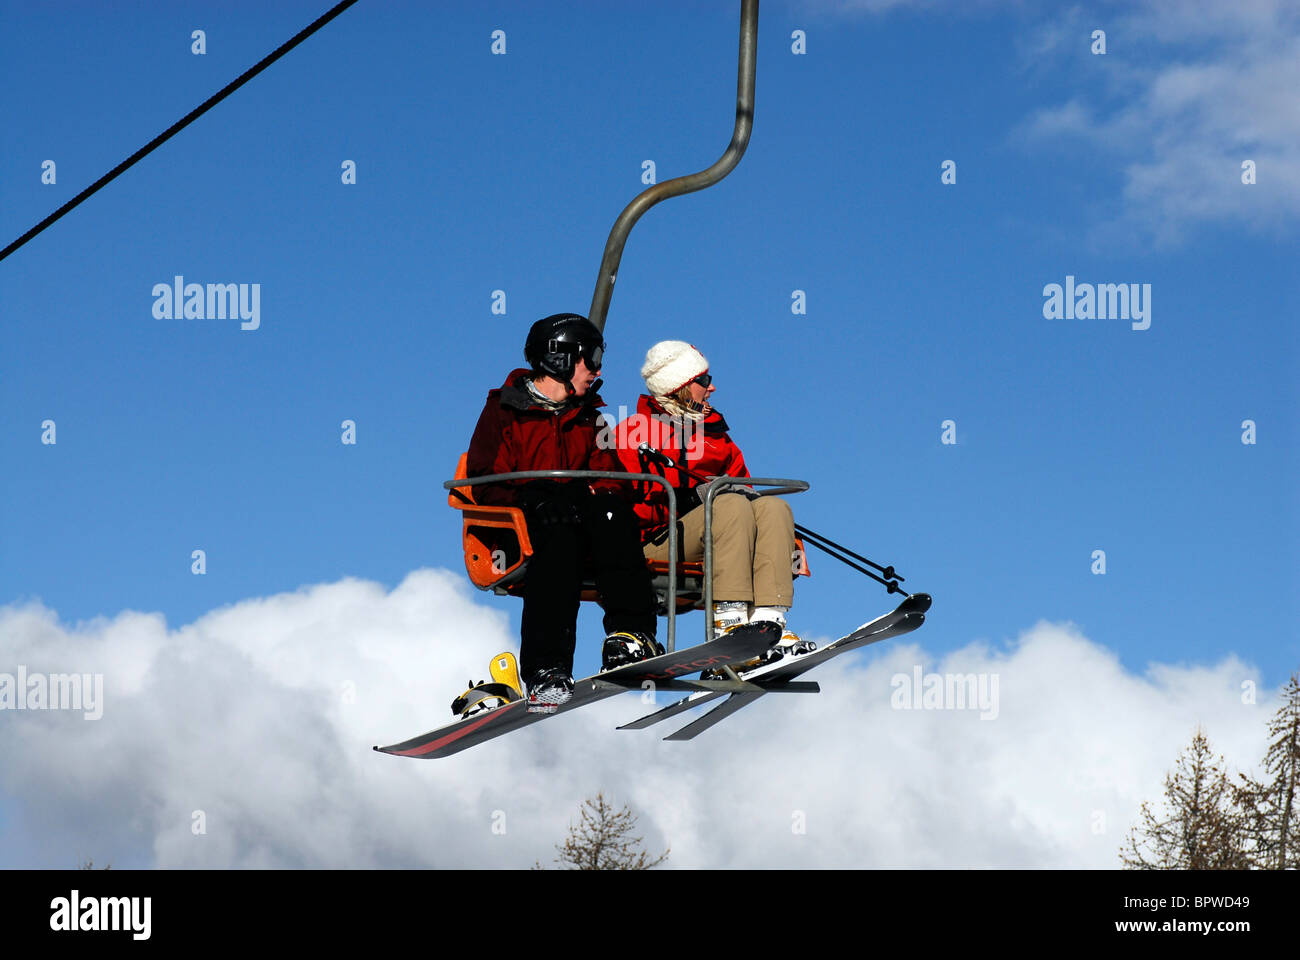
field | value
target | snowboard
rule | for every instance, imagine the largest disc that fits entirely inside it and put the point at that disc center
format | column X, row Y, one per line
column 664, row 672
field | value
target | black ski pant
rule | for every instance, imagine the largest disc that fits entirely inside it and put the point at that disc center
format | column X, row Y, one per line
column 608, row 533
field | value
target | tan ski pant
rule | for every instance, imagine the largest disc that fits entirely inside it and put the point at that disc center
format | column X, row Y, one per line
column 753, row 547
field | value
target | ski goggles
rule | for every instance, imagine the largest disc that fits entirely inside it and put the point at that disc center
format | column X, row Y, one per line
column 591, row 352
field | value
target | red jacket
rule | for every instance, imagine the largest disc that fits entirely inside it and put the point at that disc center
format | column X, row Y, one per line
column 515, row 432
column 709, row 451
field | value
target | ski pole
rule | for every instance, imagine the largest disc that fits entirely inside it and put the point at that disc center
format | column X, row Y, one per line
column 812, row 536
column 892, row 585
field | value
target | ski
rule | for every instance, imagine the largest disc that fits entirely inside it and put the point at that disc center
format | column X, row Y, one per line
column 777, row 676
column 662, row 671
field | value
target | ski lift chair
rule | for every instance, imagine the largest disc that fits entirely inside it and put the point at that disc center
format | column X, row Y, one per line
column 497, row 550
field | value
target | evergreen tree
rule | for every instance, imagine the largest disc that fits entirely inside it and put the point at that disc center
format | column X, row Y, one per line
column 1201, row 829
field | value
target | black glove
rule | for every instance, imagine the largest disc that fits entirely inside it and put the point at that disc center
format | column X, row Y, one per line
column 554, row 513
column 687, row 500
column 550, row 504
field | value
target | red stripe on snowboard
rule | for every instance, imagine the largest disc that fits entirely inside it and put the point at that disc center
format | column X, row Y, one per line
column 449, row 738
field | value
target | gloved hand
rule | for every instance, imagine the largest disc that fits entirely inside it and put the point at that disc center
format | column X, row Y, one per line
column 687, row 499
column 550, row 504
column 553, row 513
column 702, row 490
column 692, row 498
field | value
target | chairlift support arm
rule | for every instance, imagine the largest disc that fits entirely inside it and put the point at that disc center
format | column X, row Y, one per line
column 613, row 255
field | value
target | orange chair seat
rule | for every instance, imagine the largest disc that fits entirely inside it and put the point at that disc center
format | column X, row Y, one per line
column 497, row 549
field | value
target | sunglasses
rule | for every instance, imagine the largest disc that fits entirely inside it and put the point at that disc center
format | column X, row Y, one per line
column 704, row 379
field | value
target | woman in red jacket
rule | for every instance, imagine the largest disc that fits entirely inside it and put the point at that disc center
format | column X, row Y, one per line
column 753, row 537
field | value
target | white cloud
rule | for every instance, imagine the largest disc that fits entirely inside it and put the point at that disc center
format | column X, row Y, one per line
column 1192, row 91
column 242, row 715
column 1188, row 91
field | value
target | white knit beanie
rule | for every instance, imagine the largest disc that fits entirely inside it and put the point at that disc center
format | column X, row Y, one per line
column 670, row 365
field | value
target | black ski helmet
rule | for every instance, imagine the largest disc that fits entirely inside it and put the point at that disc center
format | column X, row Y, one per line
column 554, row 344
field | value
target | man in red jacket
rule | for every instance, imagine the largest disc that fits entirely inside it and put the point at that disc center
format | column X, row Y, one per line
column 545, row 419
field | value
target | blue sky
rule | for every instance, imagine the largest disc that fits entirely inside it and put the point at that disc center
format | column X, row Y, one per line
column 478, row 173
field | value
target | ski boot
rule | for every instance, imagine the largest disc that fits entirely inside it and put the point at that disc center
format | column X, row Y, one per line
column 549, row 689
column 790, row 645
column 485, row 695
column 628, row 647
column 727, row 616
